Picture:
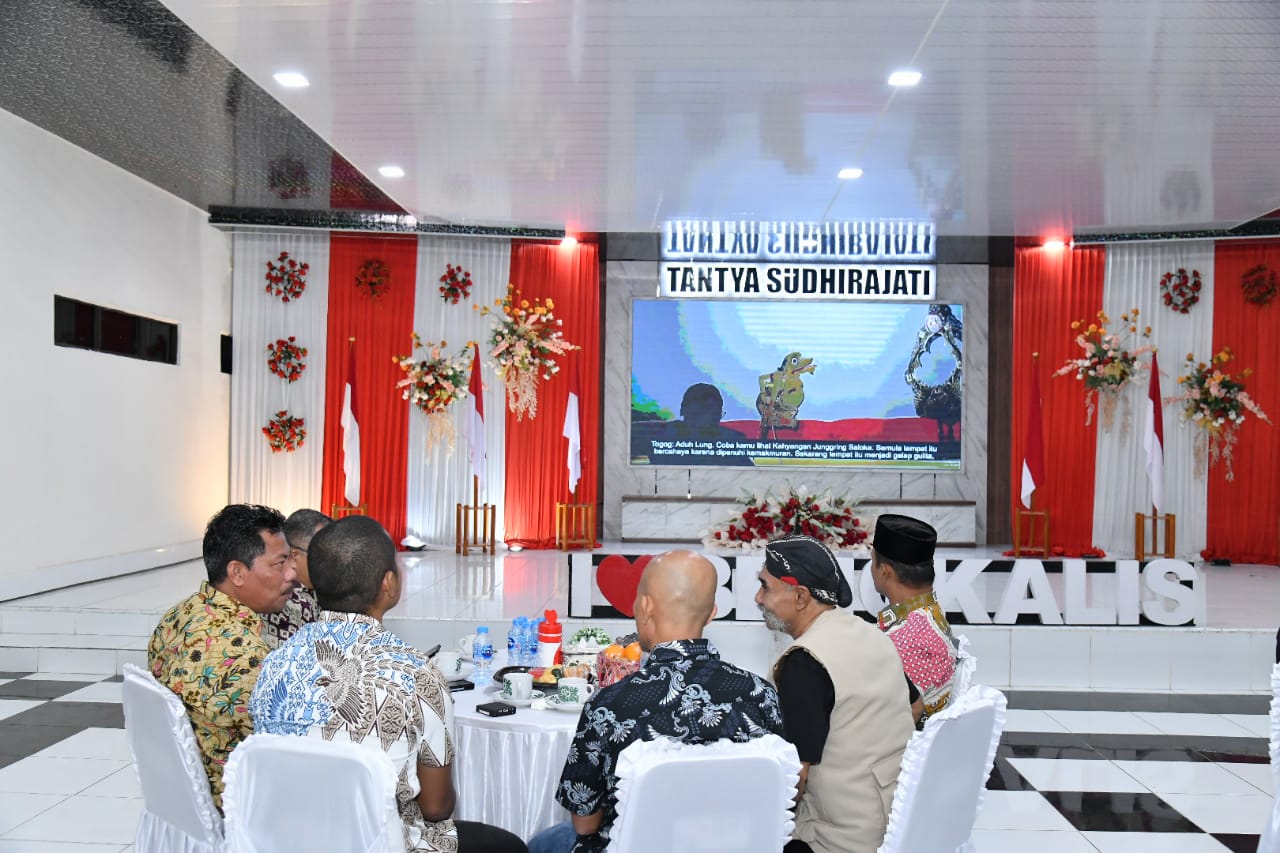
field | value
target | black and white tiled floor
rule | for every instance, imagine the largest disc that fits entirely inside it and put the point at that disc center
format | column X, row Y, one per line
column 1086, row 772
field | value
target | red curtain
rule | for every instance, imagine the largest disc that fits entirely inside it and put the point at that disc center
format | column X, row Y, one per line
column 1244, row 514
column 1051, row 289
column 537, row 477
column 382, row 328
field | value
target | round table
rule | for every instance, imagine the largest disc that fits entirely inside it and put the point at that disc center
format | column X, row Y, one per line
column 506, row 768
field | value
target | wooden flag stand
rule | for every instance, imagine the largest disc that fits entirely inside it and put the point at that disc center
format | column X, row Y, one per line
column 1140, row 534
column 475, row 526
column 337, row 511
column 575, row 525
column 1033, row 519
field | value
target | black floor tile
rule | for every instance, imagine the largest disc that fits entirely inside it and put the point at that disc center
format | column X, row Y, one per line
column 1236, row 757
column 22, row 740
column 115, row 679
column 1150, row 753
column 1204, row 703
column 1047, row 740
column 1004, row 778
column 1118, row 812
column 1238, row 843
column 107, row 715
column 1227, row 745
column 14, row 674
column 25, row 688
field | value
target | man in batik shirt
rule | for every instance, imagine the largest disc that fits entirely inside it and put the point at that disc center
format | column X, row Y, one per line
column 902, row 570
column 208, row 648
column 683, row 691
column 301, row 607
column 346, row 677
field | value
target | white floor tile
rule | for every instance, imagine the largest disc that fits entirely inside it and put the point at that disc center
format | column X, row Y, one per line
column 1257, row 725
column 91, row 743
column 1021, row 720
column 1024, row 840
column 1246, row 813
column 1191, row 725
column 103, row 691
column 37, row 774
column 1259, row 776
column 100, row 820
column 1185, row 777
column 122, row 783
column 1019, row 810
column 1075, row 774
column 1155, row 842
column 23, row 846
column 9, row 707
column 16, row 809
column 1103, row 722
column 5, row 680
column 64, row 676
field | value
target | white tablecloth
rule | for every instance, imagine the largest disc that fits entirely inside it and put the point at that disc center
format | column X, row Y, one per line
column 507, row 768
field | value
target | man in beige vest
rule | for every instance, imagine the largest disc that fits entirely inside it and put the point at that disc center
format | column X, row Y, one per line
column 844, row 702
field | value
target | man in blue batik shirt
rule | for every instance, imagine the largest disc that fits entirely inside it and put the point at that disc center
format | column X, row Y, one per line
column 683, row 691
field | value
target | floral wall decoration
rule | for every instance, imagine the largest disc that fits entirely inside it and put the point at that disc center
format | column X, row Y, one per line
column 285, row 432
column 1259, row 285
column 827, row 518
column 435, row 383
column 1180, row 291
column 288, row 279
column 1108, row 363
column 1217, row 403
column 373, row 278
column 523, row 343
column 286, row 359
column 455, row 284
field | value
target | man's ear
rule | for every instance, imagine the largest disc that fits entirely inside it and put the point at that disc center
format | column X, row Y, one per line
column 236, row 572
column 714, row 611
column 643, row 608
column 390, row 586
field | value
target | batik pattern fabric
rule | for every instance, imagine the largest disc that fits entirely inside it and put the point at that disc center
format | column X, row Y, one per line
column 347, row 677
column 684, row 692
column 923, row 638
column 301, row 608
column 208, row 649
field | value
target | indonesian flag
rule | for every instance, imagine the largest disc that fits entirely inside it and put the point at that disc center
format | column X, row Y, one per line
column 351, row 435
column 573, row 428
column 1153, row 441
column 475, row 419
column 1033, row 447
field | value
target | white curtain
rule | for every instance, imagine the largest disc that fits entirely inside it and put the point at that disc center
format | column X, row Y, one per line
column 284, row 480
column 1122, row 488
column 438, row 479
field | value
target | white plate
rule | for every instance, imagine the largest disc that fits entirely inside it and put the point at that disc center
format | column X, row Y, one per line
column 495, row 690
column 464, row 671
column 554, row 703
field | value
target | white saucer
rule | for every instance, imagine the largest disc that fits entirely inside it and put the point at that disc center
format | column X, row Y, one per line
column 495, row 690
column 464, row 671
column 554, row 703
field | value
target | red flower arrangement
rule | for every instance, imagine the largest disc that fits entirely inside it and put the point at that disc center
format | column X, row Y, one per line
column 1259, row 285
column 286, row 359
column 287, row 280
column 456, row 284
column 1180, row 291
column 373, row 277
column 285, row 432
column 828, row 519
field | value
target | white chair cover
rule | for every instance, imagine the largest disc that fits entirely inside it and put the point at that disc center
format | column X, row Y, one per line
column 285, row 793
column 966, row 665
column 944, row 773
column 1270, row 841
column 178, row 814
column 722, row 796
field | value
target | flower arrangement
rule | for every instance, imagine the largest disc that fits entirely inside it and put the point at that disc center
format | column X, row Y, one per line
column 1180, row 291
column 286, row 359
column 1108, row 364
column 285, row 432
column 433, row 384
column 829, row 519
column 1216, row 402
column 524, row 339
column 455, row 284
column 287, row 280
column 373, row 278
column 1259, row 285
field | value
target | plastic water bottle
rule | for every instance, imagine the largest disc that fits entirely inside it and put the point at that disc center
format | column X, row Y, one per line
column 515, row 642
column 482, row 654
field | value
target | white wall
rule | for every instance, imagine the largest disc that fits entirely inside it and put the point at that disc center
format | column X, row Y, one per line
column 103, row 456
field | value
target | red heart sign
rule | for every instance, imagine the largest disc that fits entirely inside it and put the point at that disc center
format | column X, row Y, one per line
column 618, row 579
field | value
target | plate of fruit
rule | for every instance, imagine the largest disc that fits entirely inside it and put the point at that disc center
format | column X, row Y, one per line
column 550, row 676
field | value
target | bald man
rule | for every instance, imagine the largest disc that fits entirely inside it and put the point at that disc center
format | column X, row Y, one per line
column 682, row 691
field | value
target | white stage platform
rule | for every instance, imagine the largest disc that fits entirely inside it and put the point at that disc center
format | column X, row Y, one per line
column 97, row 627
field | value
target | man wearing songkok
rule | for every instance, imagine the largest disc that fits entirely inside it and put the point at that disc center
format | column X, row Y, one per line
column 902, row 571
column 208, row 648
column 346, row 677
column 683, row 691
column 301, row 607
column 843, row 699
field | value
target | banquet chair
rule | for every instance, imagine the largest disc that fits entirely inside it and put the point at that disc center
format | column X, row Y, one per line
column 721, row 796
column 178, row 815
column 966, row 665
column 289, row 793
column 1270, row 840
column 944, row 773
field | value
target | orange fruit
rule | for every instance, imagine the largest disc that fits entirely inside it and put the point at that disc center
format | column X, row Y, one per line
column 613, row 651
column 632, row 652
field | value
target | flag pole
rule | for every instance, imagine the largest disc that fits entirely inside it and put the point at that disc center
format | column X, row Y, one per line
column 1035, row 366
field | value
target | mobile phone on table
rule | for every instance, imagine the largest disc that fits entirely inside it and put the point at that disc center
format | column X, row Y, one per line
column 457, row 685
column 496, row 709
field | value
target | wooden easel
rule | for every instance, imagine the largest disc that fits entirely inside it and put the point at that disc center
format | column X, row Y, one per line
column 1140, row 534
column 575, row 525
column 1033, row 519
column 475, row 526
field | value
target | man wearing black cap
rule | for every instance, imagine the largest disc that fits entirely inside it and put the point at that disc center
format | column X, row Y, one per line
column 844, row 704
column 902, row 571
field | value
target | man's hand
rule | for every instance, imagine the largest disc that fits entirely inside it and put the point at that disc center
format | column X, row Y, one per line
column 588, row 824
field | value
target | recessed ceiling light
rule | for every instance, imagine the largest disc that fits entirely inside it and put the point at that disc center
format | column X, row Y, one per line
column 904, row 78
column 391, row 171
column 850, row 173
column 292, row 79
column 568, row 241
column 1054, row 245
